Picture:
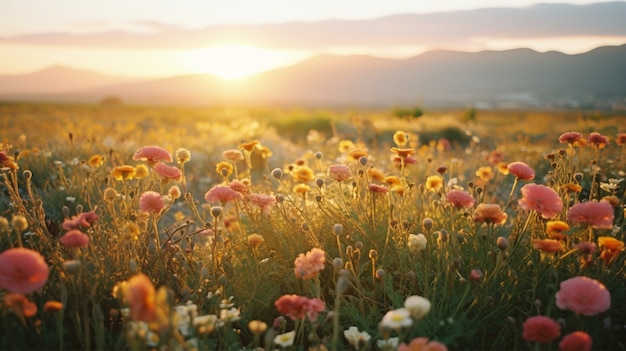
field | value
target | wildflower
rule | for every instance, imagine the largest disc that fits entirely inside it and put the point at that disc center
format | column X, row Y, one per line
column 397, row 319
column 593, row 213
column 20, row 305
column 495, row 157
column 571, row 137
column 403, row 153
column 166, row 172
column 249, row 146
column 356, row 154
column 239, row 186
column 416, row 243
column 110, row 194
column 255, row 240
column 485, row 173
column 555, row 229
column 400, row 138
column 225, row 169
column 74, row 238
column 4, row 225
column 308, row 266
column 490, row 213
column 476, row 274
column 22, row 271
column 339, row 172
column 303, row 174
column 460, row 199
column 521, row 170
column 388, row 344
column 576, row 341
column 502, row 243
column 297, row 307
column 152, row 154
column 356, row 338
column 572, row 187
column 540, row 329
column 52, row 306
column 621, row 139
column 582, row 295
column 597, row 140
column 263, row 201
column 434, row 183
column 611, row 247
column 257, row 327
column 141, row 171
column 183, row 155
column 542, row 199
column 140, row 294
column 83, row 220
column 547, row 245
column 417, row 306
column 233, row 155
column 123, row 173
column 378, row 189
column 151, row 201
column 230, row 315
column 222, row 194
column 286, row 339
column 422, row 344
column 174, row 192
column 95, row 161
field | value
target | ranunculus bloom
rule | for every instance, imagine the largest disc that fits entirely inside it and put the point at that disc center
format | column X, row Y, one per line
column 152, row 154
column 22, row 271
column 222, row 194
column 597, row 140
column 307, row 266
column 593, row 213
column 521, row 170
column 584, row 296
column 151, row 201
column 140, row 294
column 422, row 344
column 263, row 201
column 547, row 245
column 339, row 172
column 576, row 341
column 542, row 199
column 74, row 238
column 540, row 329
column 296, row 307
column 83, row 220
column 166, row 172
column 460, row 198
column 570, row 137
column 490, row 213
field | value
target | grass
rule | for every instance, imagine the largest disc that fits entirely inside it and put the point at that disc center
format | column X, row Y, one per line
column 215, row 269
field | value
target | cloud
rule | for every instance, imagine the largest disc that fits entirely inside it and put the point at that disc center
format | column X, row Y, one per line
column 435, row 29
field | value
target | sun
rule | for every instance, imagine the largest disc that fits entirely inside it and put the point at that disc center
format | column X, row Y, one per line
column 237, row 61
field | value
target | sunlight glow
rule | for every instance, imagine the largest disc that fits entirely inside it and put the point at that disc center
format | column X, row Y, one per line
column 237, row 61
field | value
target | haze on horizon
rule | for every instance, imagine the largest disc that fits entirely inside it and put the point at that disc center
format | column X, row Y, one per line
column 145, row 38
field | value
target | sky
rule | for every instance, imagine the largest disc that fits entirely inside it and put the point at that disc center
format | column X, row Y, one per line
column 235, row 38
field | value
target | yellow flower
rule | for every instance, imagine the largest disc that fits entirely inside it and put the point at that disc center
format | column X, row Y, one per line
column 400, row 138
column 393, row 181
column 132, row 231
column 179, row 216
column 95, row 161
column 403, row 153
column 608, row 242
column 376, row 174
column 346, row 145
column 183, row 155
column 255, row 240
column 249, row 146
column 572, row 188
column 485, row 173
column 225, row 169
column 301, row 189
column 502, row 168
column 356, row 154
column 303, row 174
column 141, row 171
column 434, row 183
column 555, row 229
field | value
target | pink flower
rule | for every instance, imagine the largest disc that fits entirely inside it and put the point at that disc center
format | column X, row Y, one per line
column 166, row 172
column 307, row 266
column 576, row 341
column 570, row 137
column 597, row 140
column 152, row 154
column 521, row 170
column 22, row 271
column 378, row 189
column 222, row 194
column 339, row 172
column 547, row 245
column 621, row 139
column 422, row 344
column 593, row 213
column 233, row 155
column 83, row 220
column 238, row 186
column 296, row 307
column 151, row 201
column 74, row 238
column 263, row 201
column 460, row 199
column 584, row 296
column 542, row 199
column 490, row 213
column 540, row 329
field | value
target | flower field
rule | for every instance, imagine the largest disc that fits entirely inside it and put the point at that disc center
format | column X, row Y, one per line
column 139, row 228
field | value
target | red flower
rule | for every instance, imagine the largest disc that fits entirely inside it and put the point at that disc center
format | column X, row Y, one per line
column 460, row 199
column 598, row 140
column 22, row 270
column 542, row 199
column 74, row 238
column 593, row 213
column 296, row 307
column 521, row 170
column 570, row 137
column 307, row 266
column 576, row 341
column 422, row 344
column 540, row 329
column 140, row 294
column 152, row 154
column 584, row 296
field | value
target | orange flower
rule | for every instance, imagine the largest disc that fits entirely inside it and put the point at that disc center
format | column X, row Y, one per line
column 356, row 154
column 490, row 213
column 52, row 306
column 611, row 247
column 95, row 161
column 572, row 187
column 122, row 173
column 255, row 240
column 140, row 294
column 548, row 245
column 502, row 168
column 308, row 266
column 346, row 145
column 376, row 174
column 393, row 181
column 249, row 146
column 303, row 174
column 403, row 153
column 20, row 305
column 555, row 229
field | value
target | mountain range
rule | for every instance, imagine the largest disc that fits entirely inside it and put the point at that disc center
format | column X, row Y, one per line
column 518, row 77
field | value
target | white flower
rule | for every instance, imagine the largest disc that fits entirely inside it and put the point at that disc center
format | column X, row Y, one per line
column 229, row 315
column 356, row 338
column 286, row 339
column 417, row 242
column 389, row 344
column 207, row 319
column 397, row 319
column 418, row 306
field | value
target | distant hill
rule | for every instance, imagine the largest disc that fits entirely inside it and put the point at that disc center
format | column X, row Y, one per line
column 519, row 77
